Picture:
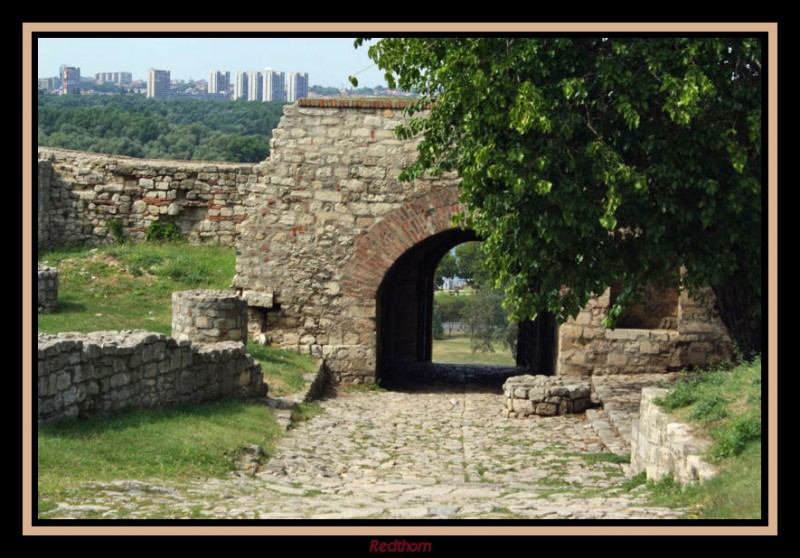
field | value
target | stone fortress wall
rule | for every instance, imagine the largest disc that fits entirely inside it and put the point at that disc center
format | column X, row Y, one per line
column 330, row 219
column 81, row 194
column 661, row 445
column 319, row 226
column 330, row 180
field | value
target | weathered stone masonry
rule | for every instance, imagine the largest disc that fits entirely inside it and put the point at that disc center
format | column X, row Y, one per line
column 328, row 223
column 334, row 252
column 81, row 375
column 661, row 445
column 79, row 193
column 586, row 346
column 328, row 218
column 208, row 316
column 47, row 291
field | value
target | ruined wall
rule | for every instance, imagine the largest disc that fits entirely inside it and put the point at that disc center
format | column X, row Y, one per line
column 318, row 228
column 331, row 179
column 208, row 316
column 661, row 445
column 586, row 346
column 43, row 203
column 329, row 218
column 79, row 193
column 81, row 375
column 47, row 289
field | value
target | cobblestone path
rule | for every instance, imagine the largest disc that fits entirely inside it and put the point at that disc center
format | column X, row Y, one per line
column 405, row 455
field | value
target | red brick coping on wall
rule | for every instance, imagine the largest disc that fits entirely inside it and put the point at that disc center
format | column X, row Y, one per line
column 355, row 102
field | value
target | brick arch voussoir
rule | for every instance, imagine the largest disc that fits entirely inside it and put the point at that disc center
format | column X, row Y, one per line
column 384, row 242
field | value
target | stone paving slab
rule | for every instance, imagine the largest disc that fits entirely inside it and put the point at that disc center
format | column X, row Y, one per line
column 409, row 455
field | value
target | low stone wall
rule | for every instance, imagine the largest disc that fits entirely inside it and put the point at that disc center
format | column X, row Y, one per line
column 47, row 289
column 81, row 375
column 80, row 194
column 696, row 337
column 207, row 316
column 543, row 395
column 661, row 445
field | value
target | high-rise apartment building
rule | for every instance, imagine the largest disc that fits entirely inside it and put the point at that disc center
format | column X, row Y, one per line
column 158, row 84
column 114, row 77
column 298, row 86
column 240, row 87
column 219, row 82
column 70, row 80
column 50, row 84
column 255, row 86
column 274, row 85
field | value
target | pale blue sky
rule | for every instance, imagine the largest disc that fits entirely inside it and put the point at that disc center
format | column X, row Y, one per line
column 328, row 61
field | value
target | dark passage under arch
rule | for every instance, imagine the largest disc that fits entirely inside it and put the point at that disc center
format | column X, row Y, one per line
column 405, row 324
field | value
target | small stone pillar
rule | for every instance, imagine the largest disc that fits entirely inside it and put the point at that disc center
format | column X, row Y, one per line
column 208, row 316
column 48, row 289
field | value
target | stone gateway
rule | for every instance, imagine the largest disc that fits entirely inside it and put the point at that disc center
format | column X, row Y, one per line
column 342, row 255
column 336, row 256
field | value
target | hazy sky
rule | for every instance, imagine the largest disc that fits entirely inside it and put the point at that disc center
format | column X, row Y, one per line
column 328, row 61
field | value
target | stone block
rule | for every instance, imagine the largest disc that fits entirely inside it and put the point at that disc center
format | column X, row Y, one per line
column 522, row 406
column 546, row 409
column 649, row 347
column 616, row 359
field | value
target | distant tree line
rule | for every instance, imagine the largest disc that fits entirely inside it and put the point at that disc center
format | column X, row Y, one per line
column 131, row 125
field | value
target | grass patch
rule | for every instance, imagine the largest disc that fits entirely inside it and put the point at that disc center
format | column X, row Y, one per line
column 734, row 494
column 635, row 481
column 305, row 411
column 726, row 405
column 458, row 348
column 45, row 505
column 130, row 286
column 184, row 442
column 283, row 370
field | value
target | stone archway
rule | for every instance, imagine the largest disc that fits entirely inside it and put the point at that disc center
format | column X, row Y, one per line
column 393, row 265
column 404, row 305
column 385, row 242
column 326, row 219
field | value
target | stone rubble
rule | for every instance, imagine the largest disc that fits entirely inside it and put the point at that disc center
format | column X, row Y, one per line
column 528, row 395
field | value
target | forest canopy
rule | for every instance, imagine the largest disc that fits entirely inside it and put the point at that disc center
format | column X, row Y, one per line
column 134, row 126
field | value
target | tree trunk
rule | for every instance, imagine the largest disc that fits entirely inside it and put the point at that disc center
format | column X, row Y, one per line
column 739, row 308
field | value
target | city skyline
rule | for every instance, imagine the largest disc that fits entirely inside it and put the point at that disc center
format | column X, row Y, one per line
column 328, row 61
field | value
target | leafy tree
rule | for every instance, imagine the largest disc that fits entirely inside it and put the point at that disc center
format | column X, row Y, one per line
column 591, row 161
column 324, row 90
column 471, row 264
column 487, row 320
column 438, row 326
column 451, row 309
column 447, row 268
